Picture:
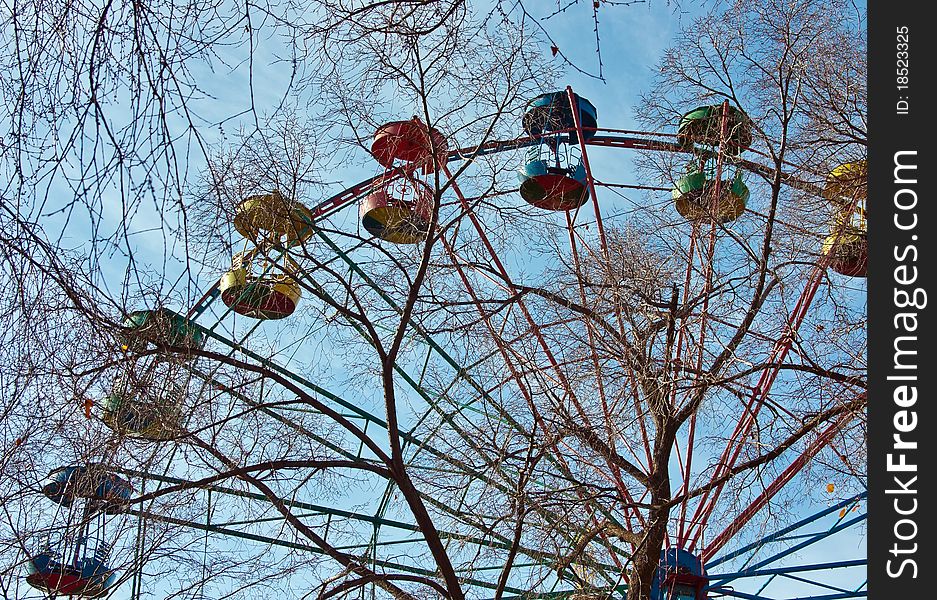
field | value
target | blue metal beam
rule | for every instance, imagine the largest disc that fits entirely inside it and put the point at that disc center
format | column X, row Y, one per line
column 819, row 536
column 746, row 596
column 781, row 533
column 791, row 569
column 817, row 583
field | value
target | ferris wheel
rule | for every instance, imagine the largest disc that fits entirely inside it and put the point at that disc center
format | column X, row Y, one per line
column 492, row 361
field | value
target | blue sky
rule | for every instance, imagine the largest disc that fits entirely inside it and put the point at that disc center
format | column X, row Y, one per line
column 633, row 39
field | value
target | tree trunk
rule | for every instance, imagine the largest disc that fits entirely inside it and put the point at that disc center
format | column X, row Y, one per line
column 647, row 555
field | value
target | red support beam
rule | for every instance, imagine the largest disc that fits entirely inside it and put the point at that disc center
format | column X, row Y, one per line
column 603, row 244
column 516, row 376
column 759, row 395
column 706, row 264
column 783, row 479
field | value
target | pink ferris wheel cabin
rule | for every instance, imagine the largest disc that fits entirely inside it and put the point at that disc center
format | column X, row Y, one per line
column 411, row 142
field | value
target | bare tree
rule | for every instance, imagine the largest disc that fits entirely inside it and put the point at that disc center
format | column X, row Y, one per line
column 503, row 389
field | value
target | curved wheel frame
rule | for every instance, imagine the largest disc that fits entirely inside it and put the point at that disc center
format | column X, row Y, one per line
column 719, row 580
